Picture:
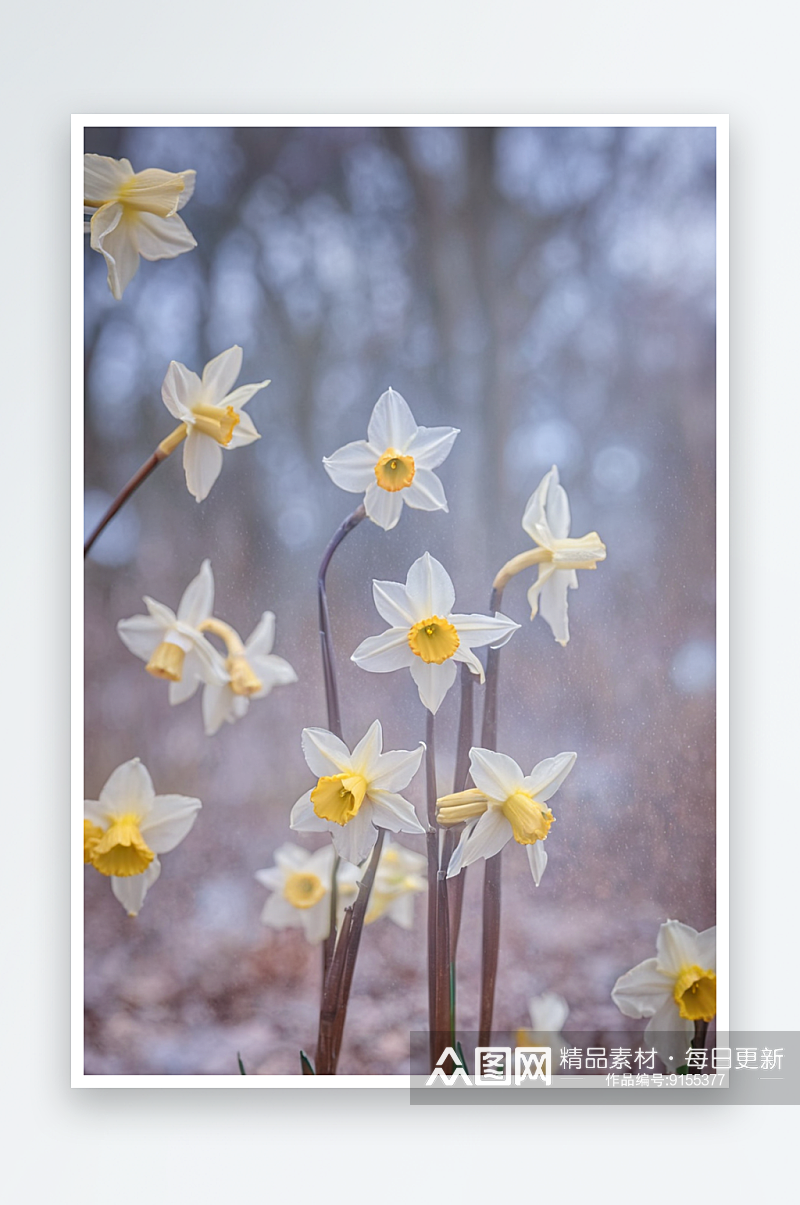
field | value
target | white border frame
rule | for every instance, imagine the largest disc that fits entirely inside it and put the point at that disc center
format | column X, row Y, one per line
column 79, row 122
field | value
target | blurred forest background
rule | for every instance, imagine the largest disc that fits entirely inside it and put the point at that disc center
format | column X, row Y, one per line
column 550, row 291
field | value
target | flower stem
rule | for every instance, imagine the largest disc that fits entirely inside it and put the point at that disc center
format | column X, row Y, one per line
column 492, row 873
column 161, row 453
column 700, row 1033
column 455, row 886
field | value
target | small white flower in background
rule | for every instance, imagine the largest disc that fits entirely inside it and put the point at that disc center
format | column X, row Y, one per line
column 547, row 522
column 504, row 803
column 126, row 829
column 548, row 1012
column 674, row 989
column 134, row 214
column 425, row 636
column 212, row 411
column 399, row 878
column 356, row 791
column 252, row 671
column 394, row 464
column 173, row 645
column 300, row 883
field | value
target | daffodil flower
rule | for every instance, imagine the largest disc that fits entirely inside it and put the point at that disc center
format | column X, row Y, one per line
column 548, row 1013
column 399, row 878
column 394, row 464
column 300, row 883
column 356, row 791
column 425, row 636
column 211, row 412
column 674, row 989
column 173, row 646
column 126, row 829
column 547, row 522
column 134, row 214
column 504, row 803
column 252, row 671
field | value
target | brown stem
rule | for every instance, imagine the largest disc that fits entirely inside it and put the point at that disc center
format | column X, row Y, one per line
column 455, row 886
column 331, row 1001
column 432, row 849
column 123, row 496
column 700, row 1034
column 492, row 872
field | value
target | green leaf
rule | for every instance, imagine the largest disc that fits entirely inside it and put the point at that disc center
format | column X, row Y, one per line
column 241, row 1064
column 306, row 1064
column 460, row 1053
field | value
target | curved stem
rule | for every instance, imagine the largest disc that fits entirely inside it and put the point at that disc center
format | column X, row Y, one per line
column 328, row 667
column 492, row 873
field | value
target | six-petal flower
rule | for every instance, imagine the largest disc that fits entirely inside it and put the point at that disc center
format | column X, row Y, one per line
column 252, row 669
column 300, row 883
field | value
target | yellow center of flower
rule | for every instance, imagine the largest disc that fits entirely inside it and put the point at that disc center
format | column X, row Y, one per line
column 303, row 889
column 695, row 994
column 215, row 421
column 394, row 471
column 243, row 680
column 464, row 805
column 91, row 835
column 529, row 819
column 121, row 850
column 434, row 639
column 339, row 797
column 166, row 662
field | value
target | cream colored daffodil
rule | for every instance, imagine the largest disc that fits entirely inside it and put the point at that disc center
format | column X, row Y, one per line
column 425, row 636
column 547, row 522
column 300, row 883
column 212, row 415
column 675, row 989
column 174, row 646
column 134, row 214
column 548, row 1013
column 394, row 464
column 399, row 878
column 252, row 671
column 504, row 803
column 356, row 793
column 126, row 829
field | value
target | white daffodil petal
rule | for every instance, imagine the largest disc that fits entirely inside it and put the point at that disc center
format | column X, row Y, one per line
column 316, row 921
column 487, row 838
column 219, row 374
column 131, row 891
column 244, row 432
column 162, row 238
column 396, row 769
column 548, row 1011
column 112, row 235
column 189, row 180
column 553, row 602
column 429, row 588
column 352, row 467
column 278, row 913
column 391, row 601
column 547, row 776
column 197, row 601
column 392, row 811
column 558, row 516
column 180, row 692
column 495, row 774
column 467, row 656
column 129, row 789
column 273, row 671
column 537, row 860
column 141, row 635
column 241, row 396
column 545, row 573
column 181, row 388
column 426, row 492
column 707, row 949
column 433, row 681
column 292, row 857
column 217, row 707
column 455, row 865
column 260, row 641
column 170, row 819
column 671, row 1034
column 474, row 631
column 322, row 750
column 304, row 819
column 641, row 991
column 272, row 877
column 391, row 424
column 389, row 651
column 676, row 947
column 534, row 519
column 103, row 177
column 202, row 462
column 368, row 750
column 354, row 841
column 430, row 446
column 165, row 616
column 383, row 508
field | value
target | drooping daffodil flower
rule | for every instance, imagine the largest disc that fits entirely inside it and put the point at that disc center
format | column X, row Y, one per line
column 425, row 636
column 211, row 415
column 400, row 877
column 356, row 793
column 126, row 829
column 394, row 464
column 134, row 214
column 252, row 671
column 300, row 883
column 504, row 803
column 675, row 989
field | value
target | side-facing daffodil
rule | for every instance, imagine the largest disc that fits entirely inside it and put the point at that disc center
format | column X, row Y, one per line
column 547, row 522
column 675, row 989
column 126, row 829
column 300, row 883
column 425, row 636
column 252, row 670
column 174, row 646
column 134, row 214
column 399, row 878
column 394, row 464
column 356, row 793
column 211, row 412
column 504, row 803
